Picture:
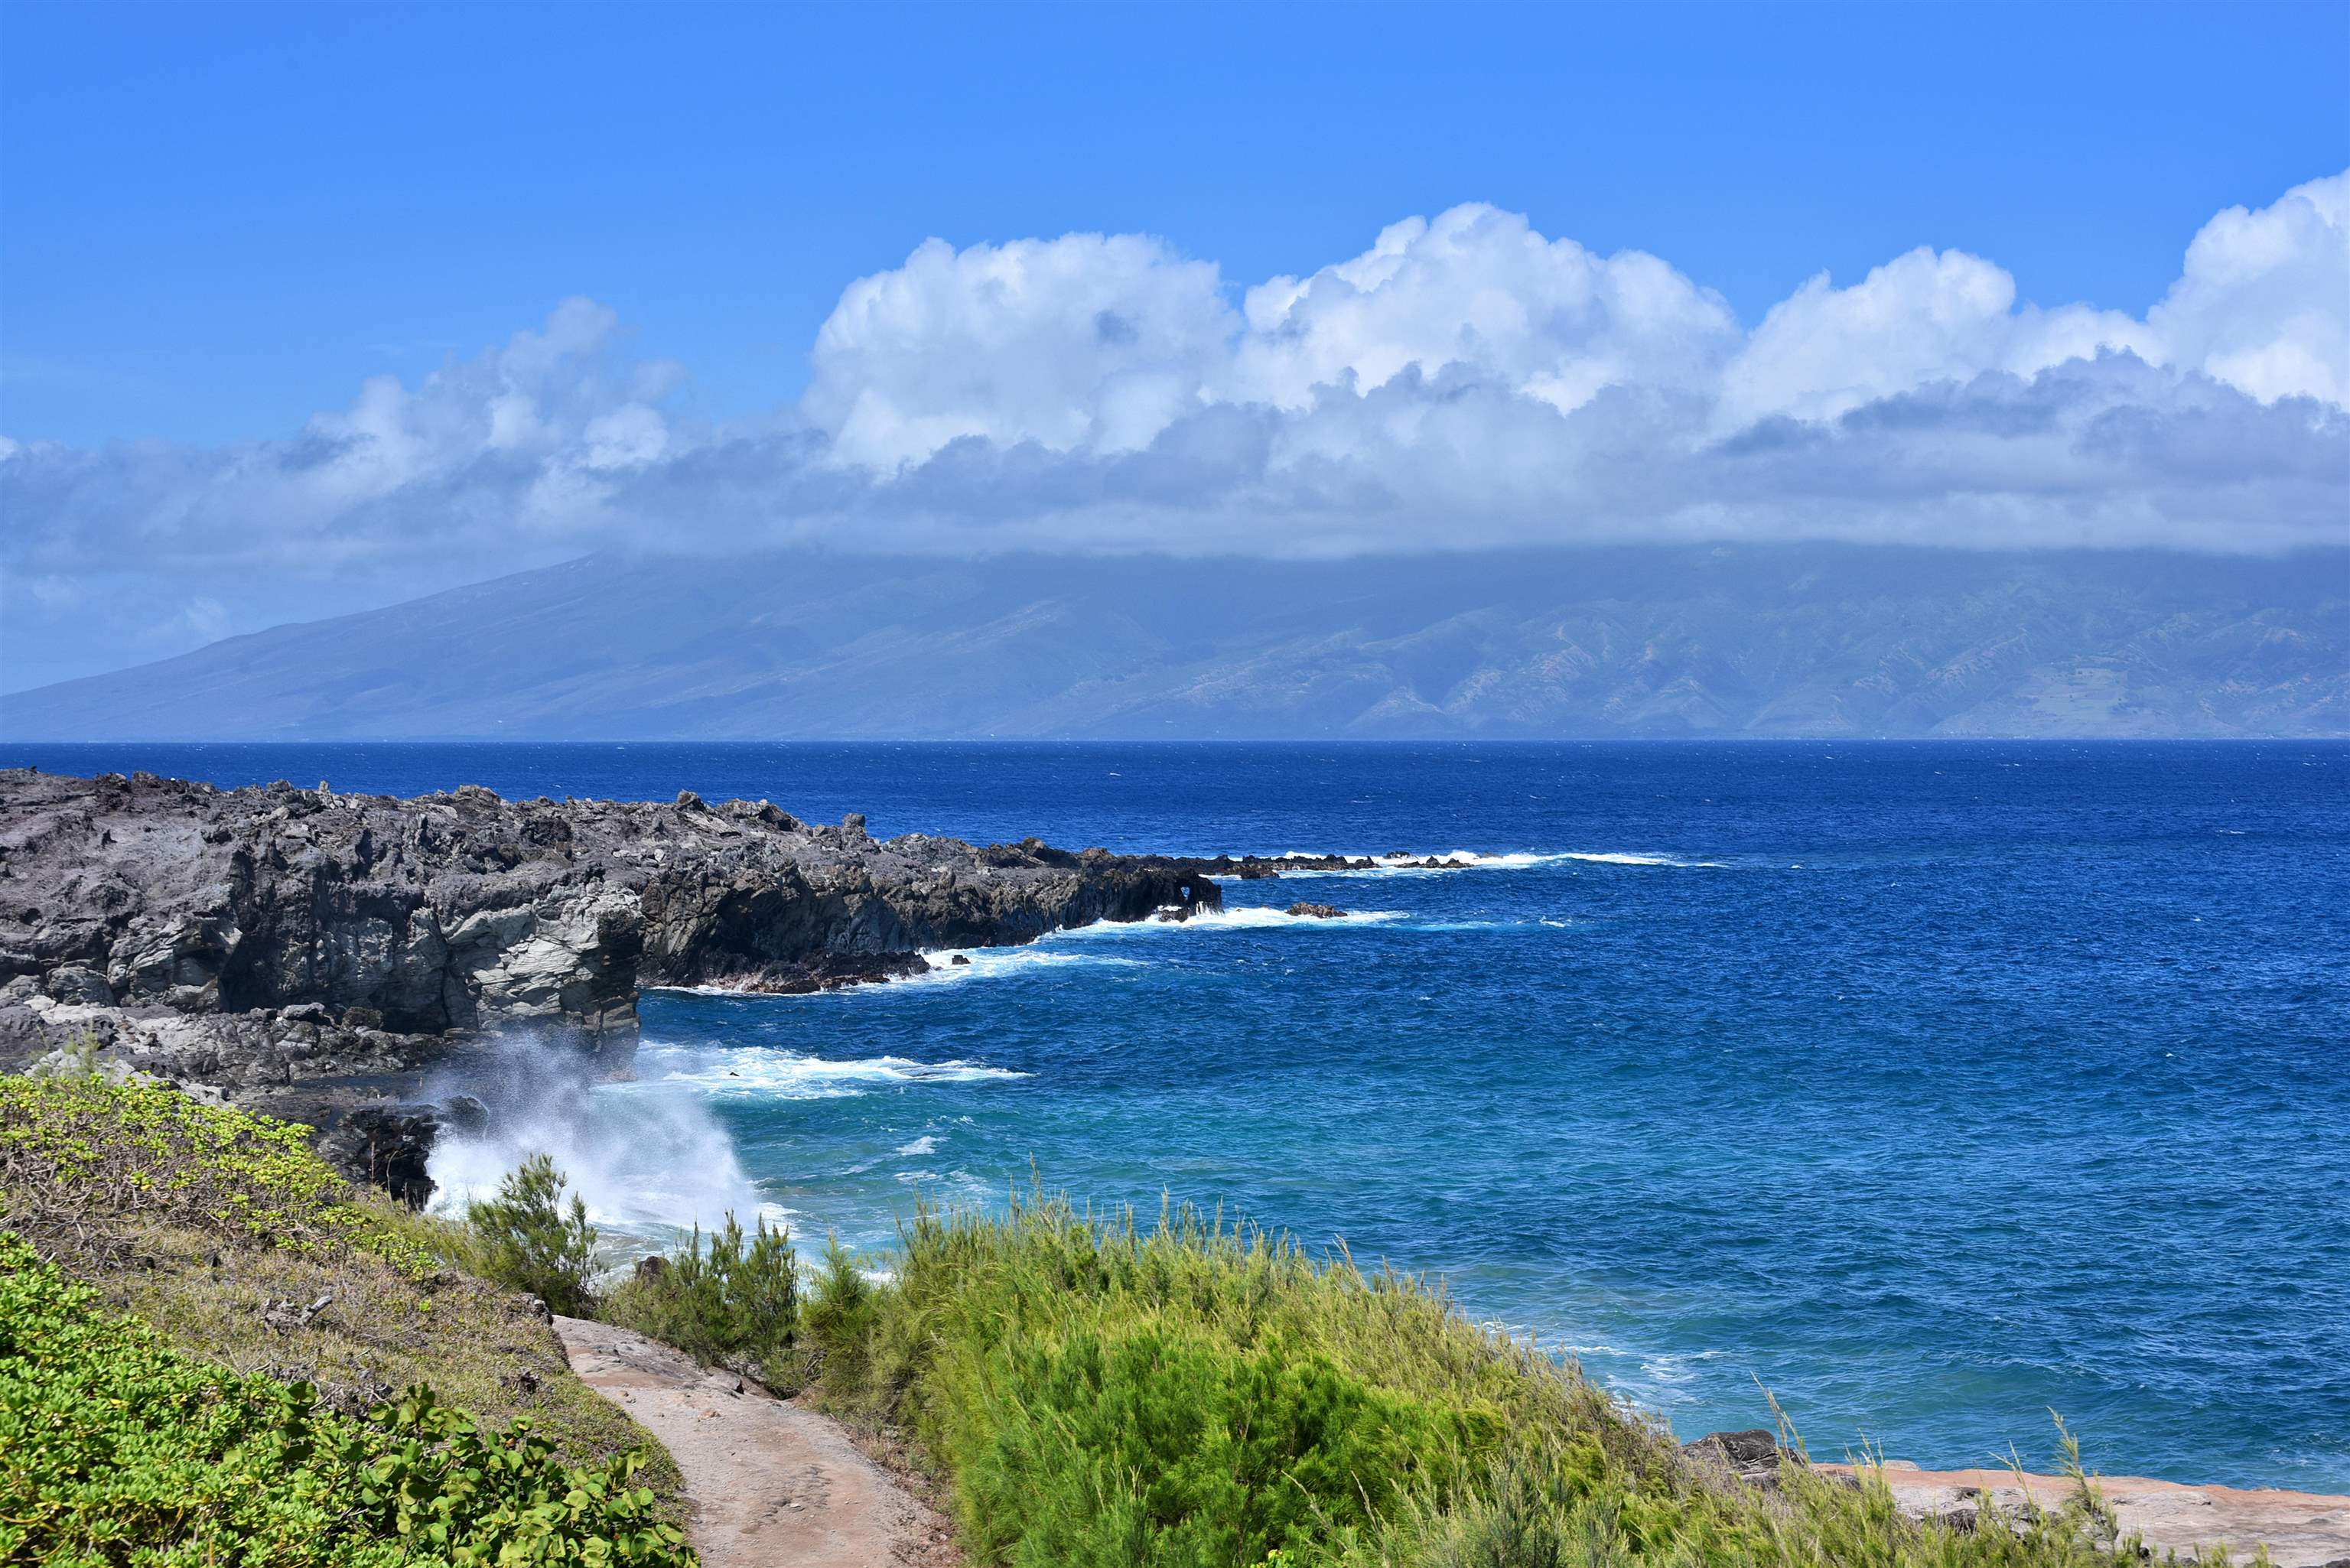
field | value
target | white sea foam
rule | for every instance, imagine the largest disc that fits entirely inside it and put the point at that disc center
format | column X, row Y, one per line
column 760, row 1072
column 923, row 1145
column 1412, row 865
column 1247, row 916
column 1615, row 858
column 1007, row 962
column 981, row 963
column 1253, row 915
column 640, row 1158
column 1002, row 963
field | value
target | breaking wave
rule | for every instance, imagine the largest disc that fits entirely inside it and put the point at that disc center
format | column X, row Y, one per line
column 1407, row 864
column 982, row 963
column 760, row 1072
column 640, row 1158
column 1248, row 916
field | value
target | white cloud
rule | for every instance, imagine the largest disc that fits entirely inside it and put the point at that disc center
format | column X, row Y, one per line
column 1465, row 380
column 2263, row 302
column 1086, row 343
column 1920, row 317
column 1478, row 289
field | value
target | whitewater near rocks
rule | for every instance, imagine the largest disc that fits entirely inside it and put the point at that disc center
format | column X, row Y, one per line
column 292, row 948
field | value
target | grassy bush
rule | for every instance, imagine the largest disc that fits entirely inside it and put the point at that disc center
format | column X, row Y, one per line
column 527, row 1237
column 72, row 1144
column 732, row 1302
column 200, row 1220
column 120, row 1448
column 1097, row 1396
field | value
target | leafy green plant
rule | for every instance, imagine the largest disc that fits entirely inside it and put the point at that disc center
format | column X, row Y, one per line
column 733, row 1302
column 83, row 1141
column 131, row 1186
column 73, row 1142
column 122, row 1449
column 1097, row 1394
column 528, row 1238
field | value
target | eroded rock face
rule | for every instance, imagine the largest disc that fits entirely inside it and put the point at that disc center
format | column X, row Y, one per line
column 258, row 939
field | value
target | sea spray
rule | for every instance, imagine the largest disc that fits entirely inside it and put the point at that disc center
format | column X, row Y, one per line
column 641, row 1154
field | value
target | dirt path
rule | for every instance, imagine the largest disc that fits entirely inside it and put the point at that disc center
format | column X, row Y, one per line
column 2300, row 1529
column 772, row 1485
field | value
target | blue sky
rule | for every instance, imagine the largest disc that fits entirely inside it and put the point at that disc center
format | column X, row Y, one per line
column 310, row 308
column 219, row 219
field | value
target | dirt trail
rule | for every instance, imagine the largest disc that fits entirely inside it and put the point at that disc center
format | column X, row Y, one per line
column 772, row 1485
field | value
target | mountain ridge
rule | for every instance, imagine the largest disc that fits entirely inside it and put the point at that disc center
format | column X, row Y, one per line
column 1582, row 643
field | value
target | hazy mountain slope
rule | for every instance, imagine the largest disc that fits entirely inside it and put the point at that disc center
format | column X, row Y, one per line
column 1768, row 640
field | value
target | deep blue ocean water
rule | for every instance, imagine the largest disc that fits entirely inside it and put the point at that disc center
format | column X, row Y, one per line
column 1930, row 1086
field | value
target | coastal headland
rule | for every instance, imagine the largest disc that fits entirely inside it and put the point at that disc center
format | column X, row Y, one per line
column 310, row 953
column 318, row 955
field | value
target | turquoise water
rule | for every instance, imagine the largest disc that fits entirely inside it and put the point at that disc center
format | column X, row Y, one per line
column 1928, row 1086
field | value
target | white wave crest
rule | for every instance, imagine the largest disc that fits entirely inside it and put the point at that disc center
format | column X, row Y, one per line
column 640, row 1160
column 1248, row 916
column 1619, row 859
column 982, row 963
column 765, row 1073
column 1407, row 864
column 1257, row 915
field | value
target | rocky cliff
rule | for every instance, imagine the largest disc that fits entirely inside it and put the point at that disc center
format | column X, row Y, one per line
column 294, row 949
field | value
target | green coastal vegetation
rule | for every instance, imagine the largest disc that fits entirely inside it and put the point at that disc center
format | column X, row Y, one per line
column 1091, row 1393
column 213, row 1350
column 1096, row 1393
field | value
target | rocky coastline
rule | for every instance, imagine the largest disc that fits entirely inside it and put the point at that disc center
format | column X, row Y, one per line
column 312, row 954
column 2200, row 1524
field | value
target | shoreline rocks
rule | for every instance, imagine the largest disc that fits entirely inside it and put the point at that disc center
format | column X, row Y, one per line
column 1268, row 868
column 309, row 952
column 2300, row 1530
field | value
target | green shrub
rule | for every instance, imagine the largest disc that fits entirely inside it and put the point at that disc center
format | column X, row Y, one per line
column 1095, row 1395
column 73, row 1143
column 1100, row 1395
column 132, row 1187
column 122, row 1449
column 525, row 1236
column 840, row 1321
column 733, row 1303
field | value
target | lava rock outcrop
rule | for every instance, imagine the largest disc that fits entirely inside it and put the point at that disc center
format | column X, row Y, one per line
column 258, row 939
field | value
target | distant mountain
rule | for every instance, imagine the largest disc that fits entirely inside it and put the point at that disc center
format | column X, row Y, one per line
column 1686, row 642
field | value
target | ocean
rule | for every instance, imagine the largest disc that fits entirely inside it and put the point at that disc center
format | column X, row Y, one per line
column 1930, row 1086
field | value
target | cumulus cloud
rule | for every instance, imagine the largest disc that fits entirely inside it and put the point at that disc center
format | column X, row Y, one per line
column 1477, row 289
column 1465, row 380
column 1087, row 343
column 2263, row 302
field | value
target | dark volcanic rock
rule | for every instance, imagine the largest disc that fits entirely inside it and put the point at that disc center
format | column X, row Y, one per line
column 387, row 1145
column 260, row 939
column 1318, row 911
